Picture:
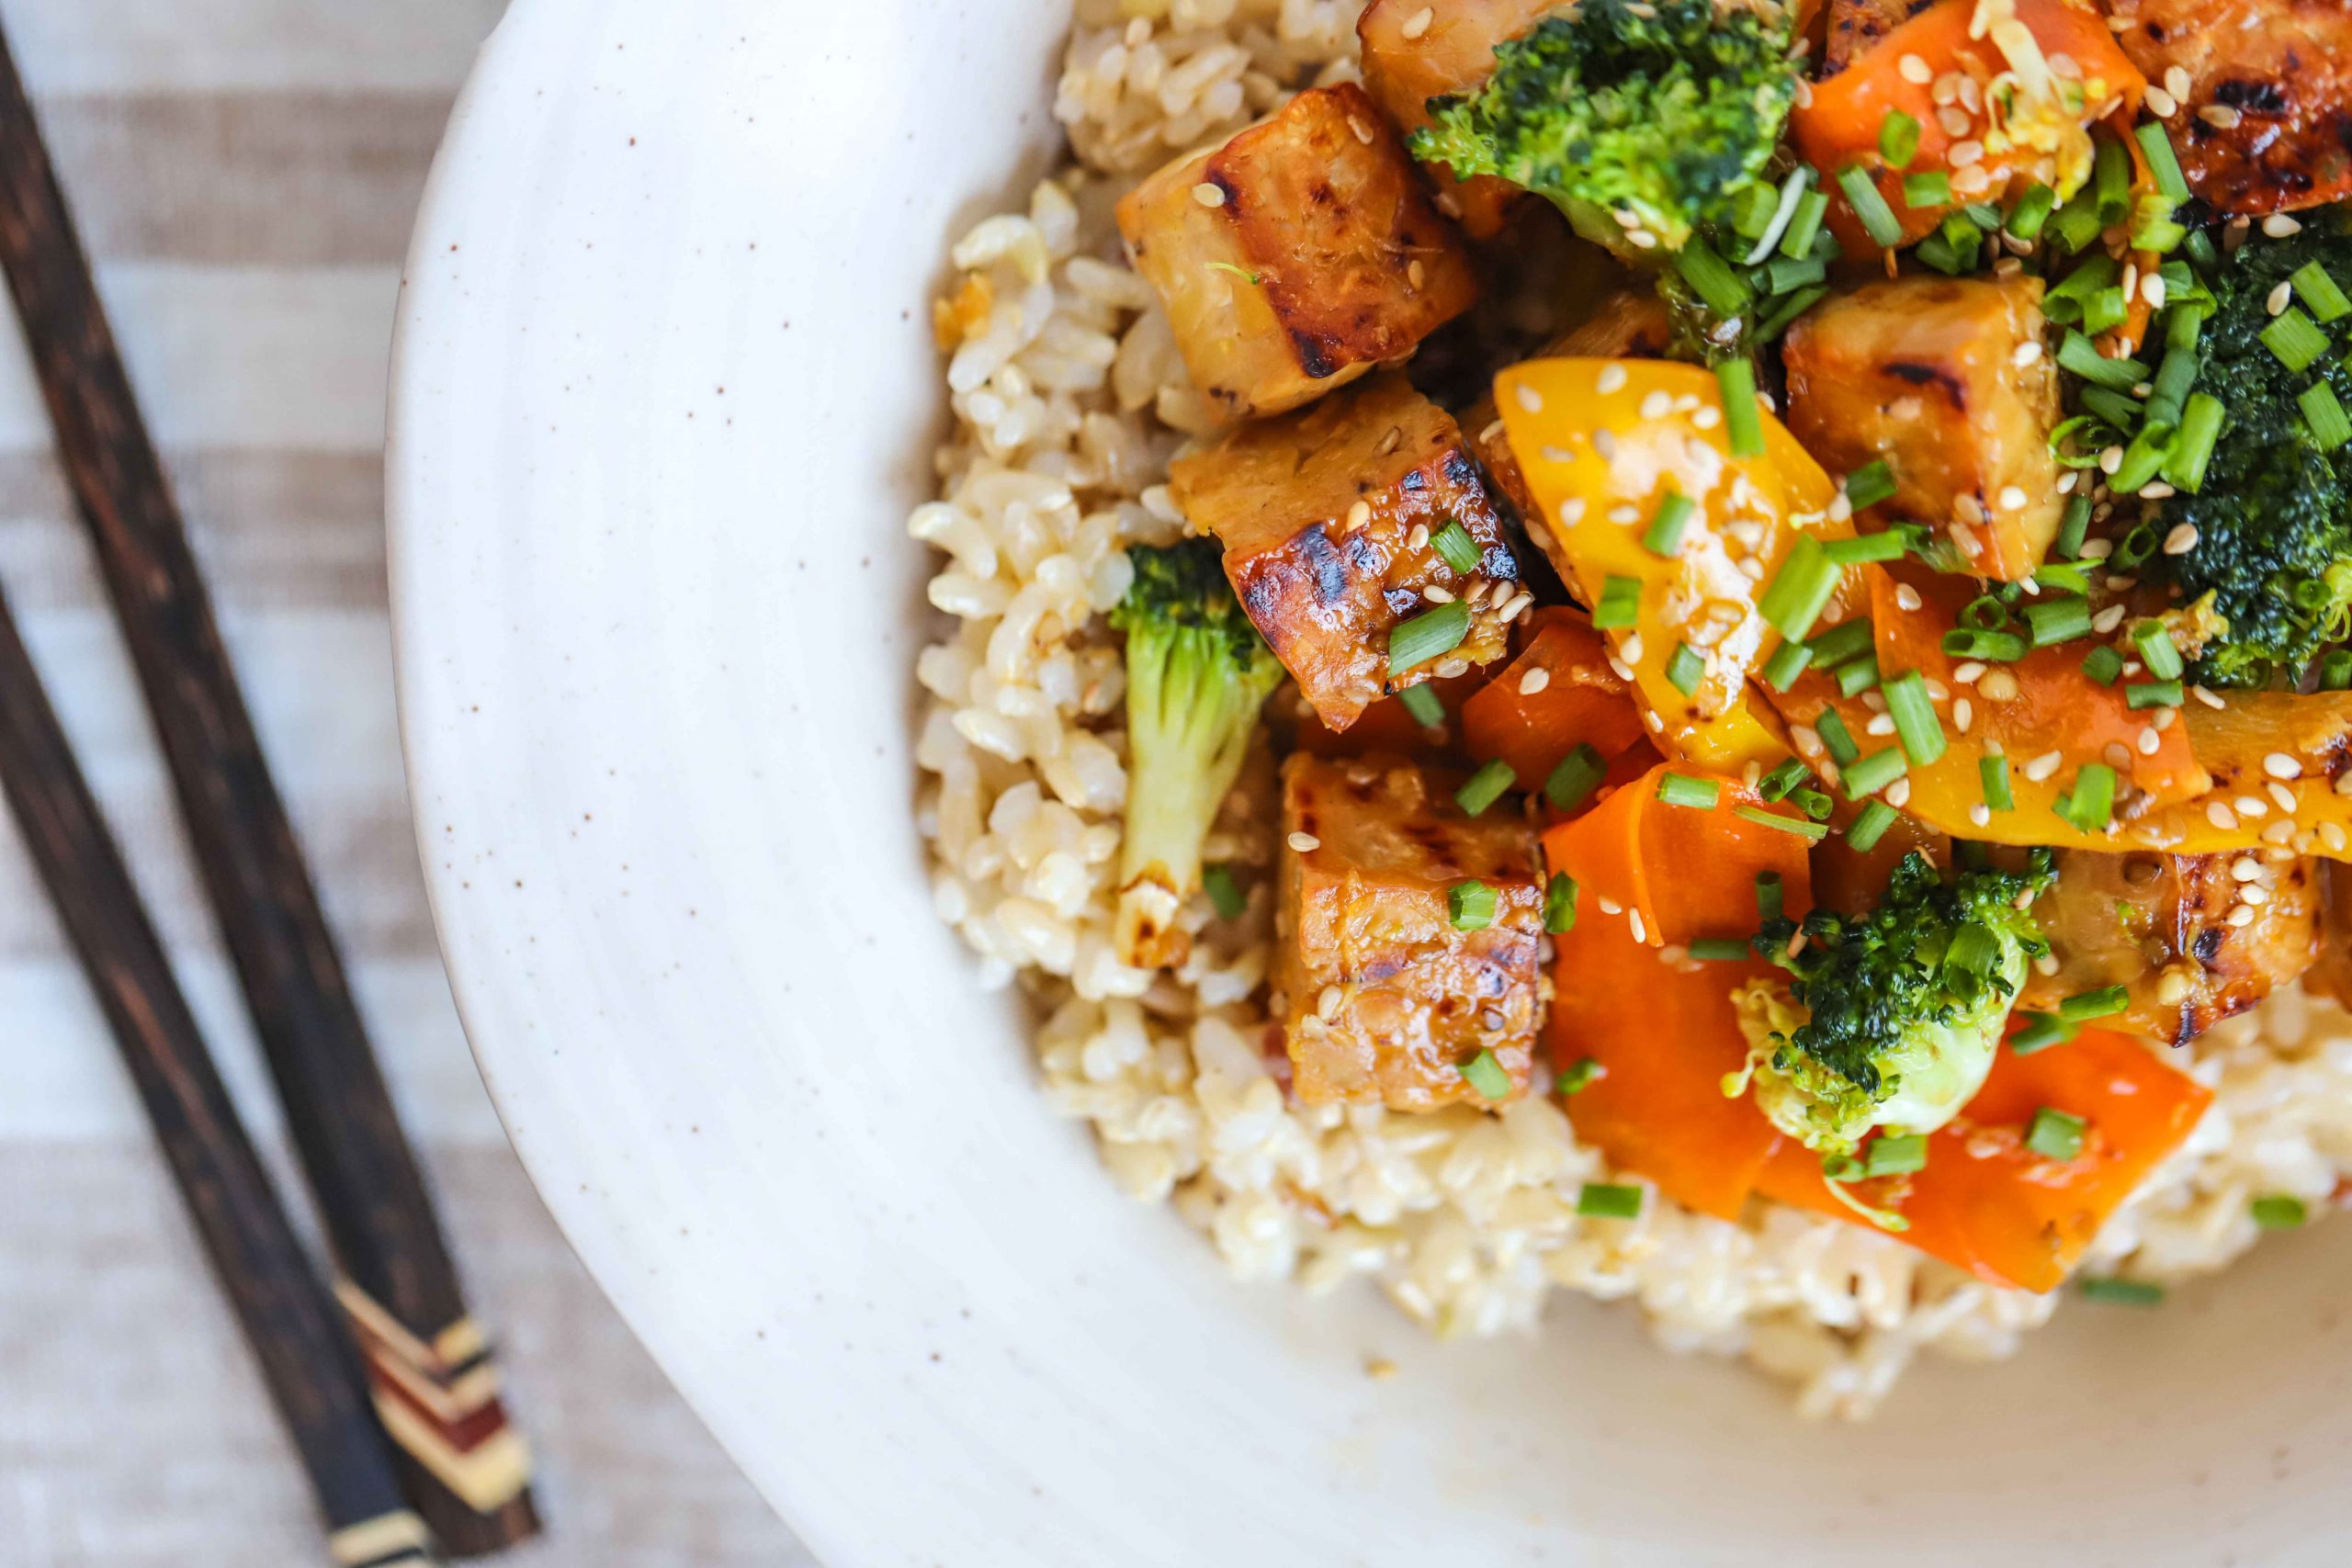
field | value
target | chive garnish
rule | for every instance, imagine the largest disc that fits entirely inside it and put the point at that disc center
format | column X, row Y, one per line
column 1895, row 1154
column 1432, row 634
column 1621, row 603
column 1224, row 894
column 2277, row 1213
column 1870, row 484
column 1743, row 424
column 1787, row 662
column 1992, row 772
column 1681, row 789
column 2105, row 1002
column 1770, row 895
column 1423, row 703
column 2294, row 339
column 2122, row 1293
column 1811, row 833
column 1456, row 547
column 2319, row 291
column 1560, row 902
column 1606, row 1200
column 2152, row 694
column 1916, row 724
column 1485, row 788
column 1800, row 591
column 1665, row 534
column 1579, row 774
column 1578, row 1076
column 2091, row 806
column 2192, row 447
column 1847, row 640
column 1898, row 139
column 1875, row 773
column 1870, row 826
column 2323, row 412
column 1877, row 219
column 2058, row 620
column 1486, row 1074
column 1721, row 949
column 2104, row 665
column 1929, row 188
column 1993, row 648
column 1865, row 547
column 1837, row 738
column 2054, row 1134
column 1857, row 676
column 2040, row 1032
column 1470, row 905
column 1685, row 669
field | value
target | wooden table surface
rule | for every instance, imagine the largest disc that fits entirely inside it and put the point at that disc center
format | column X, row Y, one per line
column 244, row 172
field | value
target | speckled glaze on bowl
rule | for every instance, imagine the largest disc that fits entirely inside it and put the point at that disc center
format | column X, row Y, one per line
column 663, row 396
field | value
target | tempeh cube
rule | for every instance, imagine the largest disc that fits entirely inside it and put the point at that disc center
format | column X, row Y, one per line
column 1333, row 521
column 1417, row 49
column 1386, row 1000
column 1297, row 256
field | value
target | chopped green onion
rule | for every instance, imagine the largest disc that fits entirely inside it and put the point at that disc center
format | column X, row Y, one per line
column 1811, row 832
column 2072, row 526
column 1837, row 738
column 1787, row 662
column 1431, row 635
column 1720, row 950
column 1423, row 703
column 1681, row 789
column 2057, row 620
column 2153, row 639
column 1779, row 210
column 2078, row 354
column 2055, row 577
column 2201, row 249
column 1929, row 188
column 1870, row 484
column 2320, row 292
column 2106, row 309
column 1784, row 275
column 2170, row 390
column 1892, row 1154
column 2104, row 665
column 2041, row 1031
column 2192, row 448
column 2152, row 694
column 1770, row 895
column 2112, row 178
column 1800, row 591
column 1578, row 1076
column 1870, row 826
column 1579, row 774
column 2336, row 671
column 1992, row 772
column 1777, row 785
column 1993, row 647
column 2295, row 338
column 1665, row 533
column 1877, row 219
column 2277, row 1213
column 1470, row 905
column 1685, row 667
column 1604, row 1201
column 2325, row 414
column 2113, row 409
column 2154, row 228
column 1875, row 773
column 2091, row 806
column 1456, row 547
column 1621, row 603
column 1224, row 894
column 1816, row 804
column 1865, row 547
column 1805, row 226
column 2185, row 323
column 1939, row 251
column 2161, row 161
column 1713, row 279
column 1974, row 950
column 1847, row 640
column 2054, row 1134
column 1486, row 1074
column 2076, row 224
column 2032, row 211
column 1560, row 904
column 2122, row 1293
column 2142, row 459
column 2105, row 1002
column 1755, row 211
column 1857, row 676
column 1916, row 724
column 1743, row 427
column 1898, row 139
column 1243, row 273
column 1485, row 788
column 1777, row 320
column 1985, row 612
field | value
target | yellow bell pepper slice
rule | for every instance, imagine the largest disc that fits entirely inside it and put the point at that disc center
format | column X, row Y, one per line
column 1604, row 446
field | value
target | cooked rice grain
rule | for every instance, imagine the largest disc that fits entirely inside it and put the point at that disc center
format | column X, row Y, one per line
column 1069, row 399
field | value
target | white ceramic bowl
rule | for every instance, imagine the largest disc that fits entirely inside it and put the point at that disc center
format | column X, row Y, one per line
column 664, row 394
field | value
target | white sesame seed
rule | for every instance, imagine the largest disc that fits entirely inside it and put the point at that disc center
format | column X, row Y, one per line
column 2027, row 352
column 2331, row 834
column 1419, row 539
column 2279, row 765
column 2164, row 719
column 1998, row 687
column 1954, row 120
column 1874, row 701
column 1494, row 427
column 1807, row 739
column 1899, row 793
column 2204, row 695
column 1707, row 418
column 1966, row 674
column 2281, row 833
column 2165, row 105
column 1415, row 274
column 1947, row 88
column 2181, row 540
column 1209, row 195
column 1437, row 595
column 2240, row 917
column 2156, row 489
column 1963, row 153
column 1530, row 399
column 2110, row 459
column 2218, row 814
column 1572, row 512
column 1326, row 1005
column 2255, row 898
column 1906, row 596
column 1981, row 813
column 1841, row 506
column 1611, row 906
column 1419, row 22
column 2115, row 754
column 1963, row 716
column 1965, row 537
column 2172, row 989
column 1972, row 93
column 2177, row 80
column 2220, row 116
column 1626, row 514
column 1916, row 70
column 1535, row 680
column 1359, row 514
column 2151, row 290
column 2278, row 226
column 2245, row 868
column 1612, row 378
column 2281, row 797
column 2098, row 549
column 1975, row 180
column 2107, row 620
column 1658, row 405
column 1631, row 647
column 1304, row 844
column 2252, row 805
column 2042, row 767
column 1634, row 921
column 2150, row 741
column 1604, row 443
column 1624, row 671
column 1880, row 723
column 2012, row 498
column 2276, row 303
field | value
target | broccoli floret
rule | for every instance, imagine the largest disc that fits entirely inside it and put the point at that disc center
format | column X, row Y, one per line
column 1659, row 115
column 2274, row 516
column 1891, row 1021
column 1197, row 675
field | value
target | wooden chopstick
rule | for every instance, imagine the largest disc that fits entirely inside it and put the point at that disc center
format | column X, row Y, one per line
column 429, row 1369
column 306, row 1359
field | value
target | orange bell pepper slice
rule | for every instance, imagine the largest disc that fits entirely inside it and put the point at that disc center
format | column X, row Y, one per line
column 1838, row 125
column 1582, row 701
column 1664, row 1036
column 1989, row 1203
column 1682, row 872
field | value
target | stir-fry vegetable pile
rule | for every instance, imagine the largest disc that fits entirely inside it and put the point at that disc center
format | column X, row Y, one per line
column 1888, row 652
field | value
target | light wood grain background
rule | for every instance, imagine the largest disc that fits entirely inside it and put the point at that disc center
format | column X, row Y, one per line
column 246, row 171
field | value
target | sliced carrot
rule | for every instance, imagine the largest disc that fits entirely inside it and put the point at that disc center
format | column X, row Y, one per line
column 1989, row 1203
column 1389, row 725
column 1686, row 871
column 1578, row 700
column 1838, row 126
column 1664, row 1038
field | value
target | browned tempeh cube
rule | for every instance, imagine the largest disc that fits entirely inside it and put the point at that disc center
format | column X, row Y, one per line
column 1298, row 255
column 1925, row 373
column 1855, row 25
column 1384, row 1001
column 1417, row 49
column 2266, row 124
column 1331, row 520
